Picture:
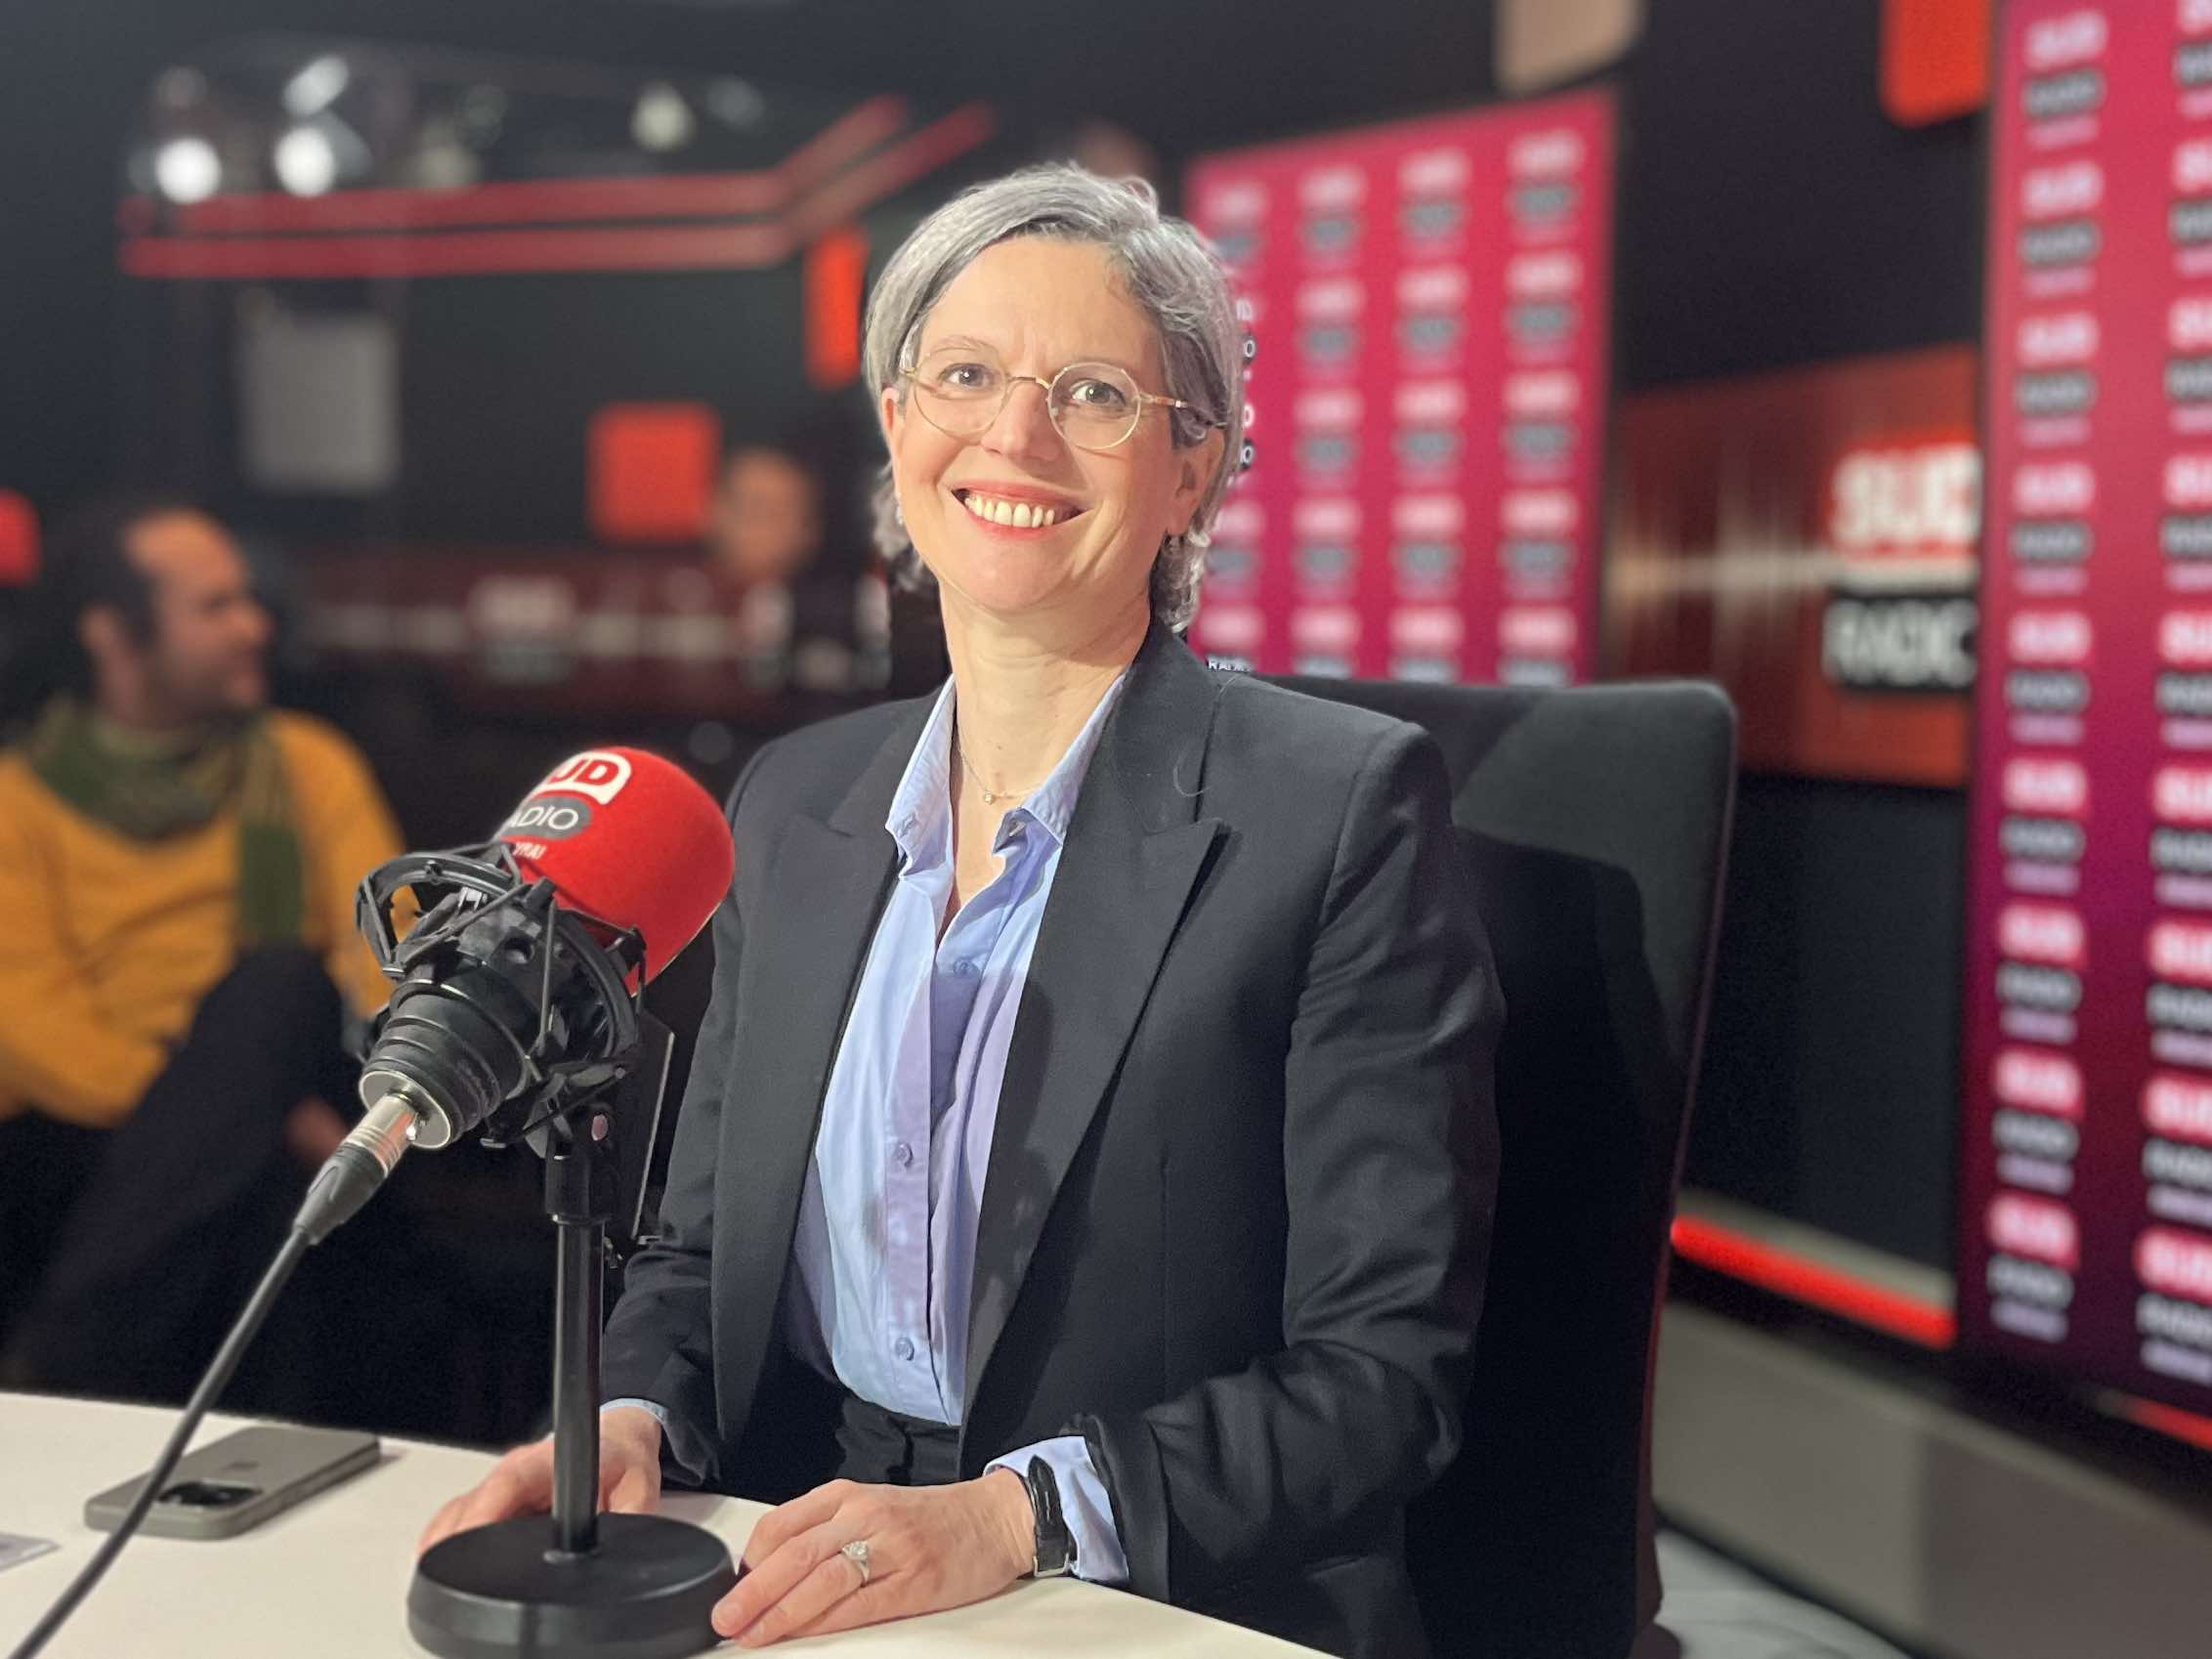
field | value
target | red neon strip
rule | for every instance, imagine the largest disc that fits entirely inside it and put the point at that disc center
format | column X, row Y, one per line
column 476, row 253
column 536, row 201
column 918, row 153
column 461, row 253
column 837, row 277
column 843, row 142
column 532, row 201
column 1813, row 1283
column 1725, row 1250
column 2168, row 1420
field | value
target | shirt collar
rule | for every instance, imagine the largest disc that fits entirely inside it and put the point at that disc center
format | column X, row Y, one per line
column 1053, row 804
column 920, row 817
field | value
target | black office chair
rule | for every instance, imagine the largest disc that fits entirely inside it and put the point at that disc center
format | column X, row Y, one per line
column 1596, row 822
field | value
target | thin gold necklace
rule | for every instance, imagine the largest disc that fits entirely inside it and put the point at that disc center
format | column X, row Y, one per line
column 990, row 797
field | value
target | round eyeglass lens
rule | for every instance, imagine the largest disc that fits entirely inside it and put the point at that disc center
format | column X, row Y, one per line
column 961, row 389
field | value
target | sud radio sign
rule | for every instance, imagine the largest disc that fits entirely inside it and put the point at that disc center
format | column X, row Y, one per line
column 1904, row 519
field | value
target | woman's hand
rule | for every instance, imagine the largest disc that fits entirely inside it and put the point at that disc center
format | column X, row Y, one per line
column 521, row 1483
column 929, row 1548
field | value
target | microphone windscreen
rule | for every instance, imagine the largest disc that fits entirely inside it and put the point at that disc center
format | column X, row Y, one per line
column 631, row 838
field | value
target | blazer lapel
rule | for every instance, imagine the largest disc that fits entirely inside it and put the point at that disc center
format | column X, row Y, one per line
column 803, row 957
column 1136, row 849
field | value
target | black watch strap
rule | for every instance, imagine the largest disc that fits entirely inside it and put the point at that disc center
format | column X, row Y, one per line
column 1055, row 1544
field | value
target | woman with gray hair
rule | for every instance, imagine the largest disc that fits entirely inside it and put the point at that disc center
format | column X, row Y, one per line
column 1088, row 1160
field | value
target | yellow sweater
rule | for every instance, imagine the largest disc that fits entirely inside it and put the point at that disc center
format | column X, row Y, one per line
column 112, row 943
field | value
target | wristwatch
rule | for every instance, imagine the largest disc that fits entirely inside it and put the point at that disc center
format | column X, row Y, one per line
column 1055, row 1544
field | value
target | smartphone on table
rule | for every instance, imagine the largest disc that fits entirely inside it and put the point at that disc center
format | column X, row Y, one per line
column 231, row 1485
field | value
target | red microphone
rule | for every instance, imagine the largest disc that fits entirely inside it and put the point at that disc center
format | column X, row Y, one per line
column 629, row 838
column 627, row 841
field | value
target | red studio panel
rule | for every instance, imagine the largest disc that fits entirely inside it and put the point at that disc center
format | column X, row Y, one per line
column 2085, row 1229
column 19, row 539
column 652, row 471
column 1429, row 306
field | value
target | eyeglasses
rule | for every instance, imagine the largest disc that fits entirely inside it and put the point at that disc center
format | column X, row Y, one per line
column 960, row 391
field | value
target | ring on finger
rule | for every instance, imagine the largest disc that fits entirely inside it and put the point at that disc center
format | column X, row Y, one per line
column 857, row 1553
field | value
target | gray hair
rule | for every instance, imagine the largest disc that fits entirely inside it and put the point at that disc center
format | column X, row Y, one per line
column 1170, row 273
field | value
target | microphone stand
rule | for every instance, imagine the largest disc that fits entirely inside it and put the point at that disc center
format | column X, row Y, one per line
column 580, row 1213
column 575, row 1584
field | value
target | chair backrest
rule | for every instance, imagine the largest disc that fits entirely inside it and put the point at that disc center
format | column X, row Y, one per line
column 1595, row 821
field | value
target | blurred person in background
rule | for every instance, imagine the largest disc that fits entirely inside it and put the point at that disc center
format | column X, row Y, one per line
column 178, row 864
column 785, row 539
column 763, row 532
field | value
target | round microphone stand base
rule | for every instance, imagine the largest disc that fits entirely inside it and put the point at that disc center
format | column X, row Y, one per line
column 507, row 1591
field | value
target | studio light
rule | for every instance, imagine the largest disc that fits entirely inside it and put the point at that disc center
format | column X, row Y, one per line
column 307, row 164
column 317, row 86
column 188, row 169
column 662, row 120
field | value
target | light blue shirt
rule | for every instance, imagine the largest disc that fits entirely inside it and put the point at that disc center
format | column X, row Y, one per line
column 883, row 1260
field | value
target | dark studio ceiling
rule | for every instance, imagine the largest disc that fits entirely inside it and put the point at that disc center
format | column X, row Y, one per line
column 1182, row 75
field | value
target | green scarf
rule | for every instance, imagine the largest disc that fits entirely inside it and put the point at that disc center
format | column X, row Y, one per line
column 151, row 786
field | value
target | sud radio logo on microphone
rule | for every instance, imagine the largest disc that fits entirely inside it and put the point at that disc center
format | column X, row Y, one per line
column 561, row 806
column 597, row 773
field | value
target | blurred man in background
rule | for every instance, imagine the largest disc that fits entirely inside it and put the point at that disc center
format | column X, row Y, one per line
column 804, row 614
column 766, row 522
column 176, row 873
column 763, row 534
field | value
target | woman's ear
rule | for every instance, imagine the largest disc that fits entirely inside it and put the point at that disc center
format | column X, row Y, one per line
column 892, row 418
column 1199, row 463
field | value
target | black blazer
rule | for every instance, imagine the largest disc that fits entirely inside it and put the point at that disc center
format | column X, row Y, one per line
column 1239, row 1198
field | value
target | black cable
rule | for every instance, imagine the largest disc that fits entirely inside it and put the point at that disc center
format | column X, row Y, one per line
column 211, row 1385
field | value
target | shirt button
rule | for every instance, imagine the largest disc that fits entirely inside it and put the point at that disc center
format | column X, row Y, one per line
column 903, row 1154
column 904, row 1347
column 964, row 968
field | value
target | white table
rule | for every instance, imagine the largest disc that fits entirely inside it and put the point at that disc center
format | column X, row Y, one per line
column 327, row 1579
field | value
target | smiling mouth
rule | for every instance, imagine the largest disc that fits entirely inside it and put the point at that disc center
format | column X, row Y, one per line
column 1017, row 515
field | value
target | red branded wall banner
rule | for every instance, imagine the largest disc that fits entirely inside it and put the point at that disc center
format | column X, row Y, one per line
column 2086, row 1169
column 1429, row 305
